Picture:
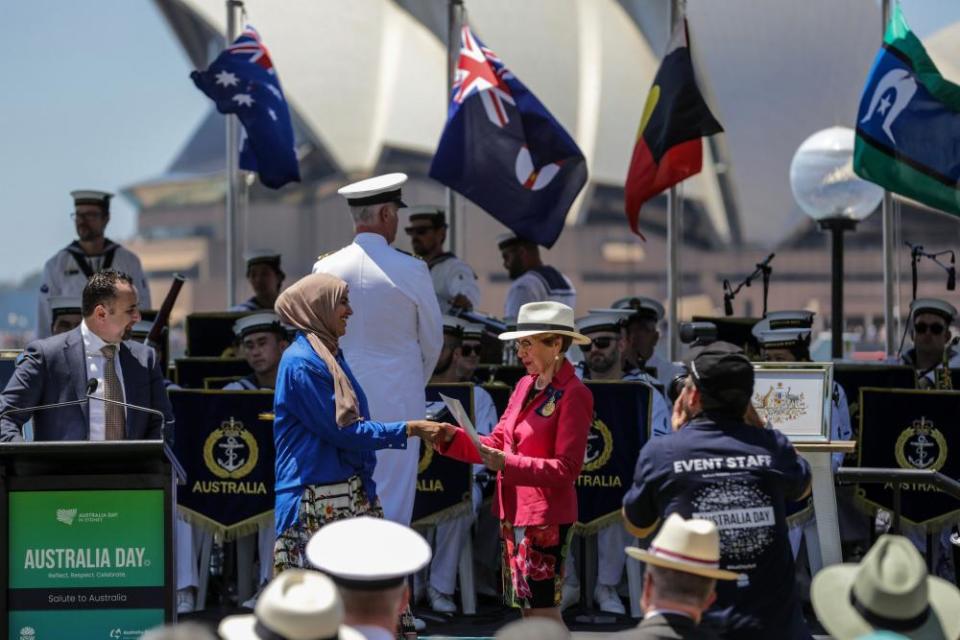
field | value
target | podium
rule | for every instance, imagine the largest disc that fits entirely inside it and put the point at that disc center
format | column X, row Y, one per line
column 819, row 455
column 87, row 546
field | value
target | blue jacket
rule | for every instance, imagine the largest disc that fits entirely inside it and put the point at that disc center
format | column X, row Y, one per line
column 311, row 448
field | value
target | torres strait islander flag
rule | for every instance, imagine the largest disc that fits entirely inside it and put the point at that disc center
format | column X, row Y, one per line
column 675, row 117
column 908, row 125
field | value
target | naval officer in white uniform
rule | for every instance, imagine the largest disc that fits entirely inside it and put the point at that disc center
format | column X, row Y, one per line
column 396, row 334
column 67, row 272
column 533, row 281
column 453, row 279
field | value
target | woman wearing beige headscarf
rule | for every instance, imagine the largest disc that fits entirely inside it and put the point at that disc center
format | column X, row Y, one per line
column 324, row 440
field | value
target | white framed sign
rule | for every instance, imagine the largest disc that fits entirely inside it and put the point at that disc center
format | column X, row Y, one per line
column 795, row 397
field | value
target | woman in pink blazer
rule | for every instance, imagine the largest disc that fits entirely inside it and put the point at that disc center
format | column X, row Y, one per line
column 537, row 450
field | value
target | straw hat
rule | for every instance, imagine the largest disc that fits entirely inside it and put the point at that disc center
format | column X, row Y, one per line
column 296, row 605
column 888, row 590
column 536, row 318
column 691, row 546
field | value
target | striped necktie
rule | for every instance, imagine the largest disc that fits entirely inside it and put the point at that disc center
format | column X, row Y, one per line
column 114, row 415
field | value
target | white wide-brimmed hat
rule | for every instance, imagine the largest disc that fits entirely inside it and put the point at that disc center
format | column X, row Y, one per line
column 691, row 546
column 888, row 590
column 545, row 317
column 296, row 605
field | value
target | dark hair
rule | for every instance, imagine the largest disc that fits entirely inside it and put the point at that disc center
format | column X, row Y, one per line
column 101, row 288
column 729, row 403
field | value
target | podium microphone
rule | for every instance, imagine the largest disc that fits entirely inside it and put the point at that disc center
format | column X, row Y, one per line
column 43, row 407
column 952, row 273
column 92, row 387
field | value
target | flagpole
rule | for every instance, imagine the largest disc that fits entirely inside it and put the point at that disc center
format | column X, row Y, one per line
column 233, row 172
column 454, row 19
column 890, row 318
column 673, row 231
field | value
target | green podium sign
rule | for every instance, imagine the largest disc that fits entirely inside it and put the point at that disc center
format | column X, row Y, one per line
column 95, row 555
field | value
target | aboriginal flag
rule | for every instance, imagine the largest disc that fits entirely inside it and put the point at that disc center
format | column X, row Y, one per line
column 675, row 117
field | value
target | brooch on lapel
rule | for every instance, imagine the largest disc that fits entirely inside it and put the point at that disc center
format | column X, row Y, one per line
column 550, row 404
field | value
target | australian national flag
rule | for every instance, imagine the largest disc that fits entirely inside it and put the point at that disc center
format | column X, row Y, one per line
column 504, row 151
column 242, row 80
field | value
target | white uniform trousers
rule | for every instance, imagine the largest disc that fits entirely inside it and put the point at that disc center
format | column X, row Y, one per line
column 611, row 558
column 187, row 571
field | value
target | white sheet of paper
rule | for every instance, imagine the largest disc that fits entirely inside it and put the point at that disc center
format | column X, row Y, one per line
column 462, row 417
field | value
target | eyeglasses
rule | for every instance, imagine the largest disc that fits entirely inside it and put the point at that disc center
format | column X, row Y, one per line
column 468, row 350
column 418, row 231
column 935, row 328
column 599, row 343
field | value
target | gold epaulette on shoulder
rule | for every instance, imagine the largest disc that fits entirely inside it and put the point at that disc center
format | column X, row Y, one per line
column 324, row 255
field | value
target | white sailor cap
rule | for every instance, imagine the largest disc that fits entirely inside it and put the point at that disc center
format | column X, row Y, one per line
column 933, row 305
column 368, row 554
column 376, row 190
column 784, row 338
column 473, row 331
column 255, row 256
column 509, row 239
column 642, row 306
column 453, row 326
column 91, row 196
column 256, row 322
column 62, row 305
column 600, row 320
column 783, row 320
column 432, row 212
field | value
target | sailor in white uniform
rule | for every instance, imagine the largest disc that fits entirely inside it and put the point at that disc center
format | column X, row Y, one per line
column 784, row 336
column 453, row 279
column 642, row 337
column 452, row 535
column 370, row 560
column 262, row 340
column 533, row 281
column 395, row 334
column 266, row 279
column 66, row 314
column 66, row 273
column 930, row 320
column 603, row 360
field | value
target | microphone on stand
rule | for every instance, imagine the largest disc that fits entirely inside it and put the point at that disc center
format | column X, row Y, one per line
column 92, row 388
column 727, row 299
column 43, row 407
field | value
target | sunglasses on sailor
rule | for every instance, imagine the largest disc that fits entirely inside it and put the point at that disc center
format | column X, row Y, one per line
column 599, row 343
column 468, row 350
column 419, row 231
column 935, row 328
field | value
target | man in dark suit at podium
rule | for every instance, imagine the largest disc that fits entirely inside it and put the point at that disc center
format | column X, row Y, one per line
column 57, row 369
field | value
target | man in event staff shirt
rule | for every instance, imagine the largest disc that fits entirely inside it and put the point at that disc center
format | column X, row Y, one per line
column 718, row 467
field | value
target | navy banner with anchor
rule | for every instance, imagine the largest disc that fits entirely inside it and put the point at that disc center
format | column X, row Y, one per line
column 225, row 445
column 620, row 425
column 444, row 485
column 909, row 429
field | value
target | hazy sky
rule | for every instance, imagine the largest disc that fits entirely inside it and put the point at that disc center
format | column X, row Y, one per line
column 98, row 96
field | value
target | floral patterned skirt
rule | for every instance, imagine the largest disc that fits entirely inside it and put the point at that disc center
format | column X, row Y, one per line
column 533, row 564
column 322, row 504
